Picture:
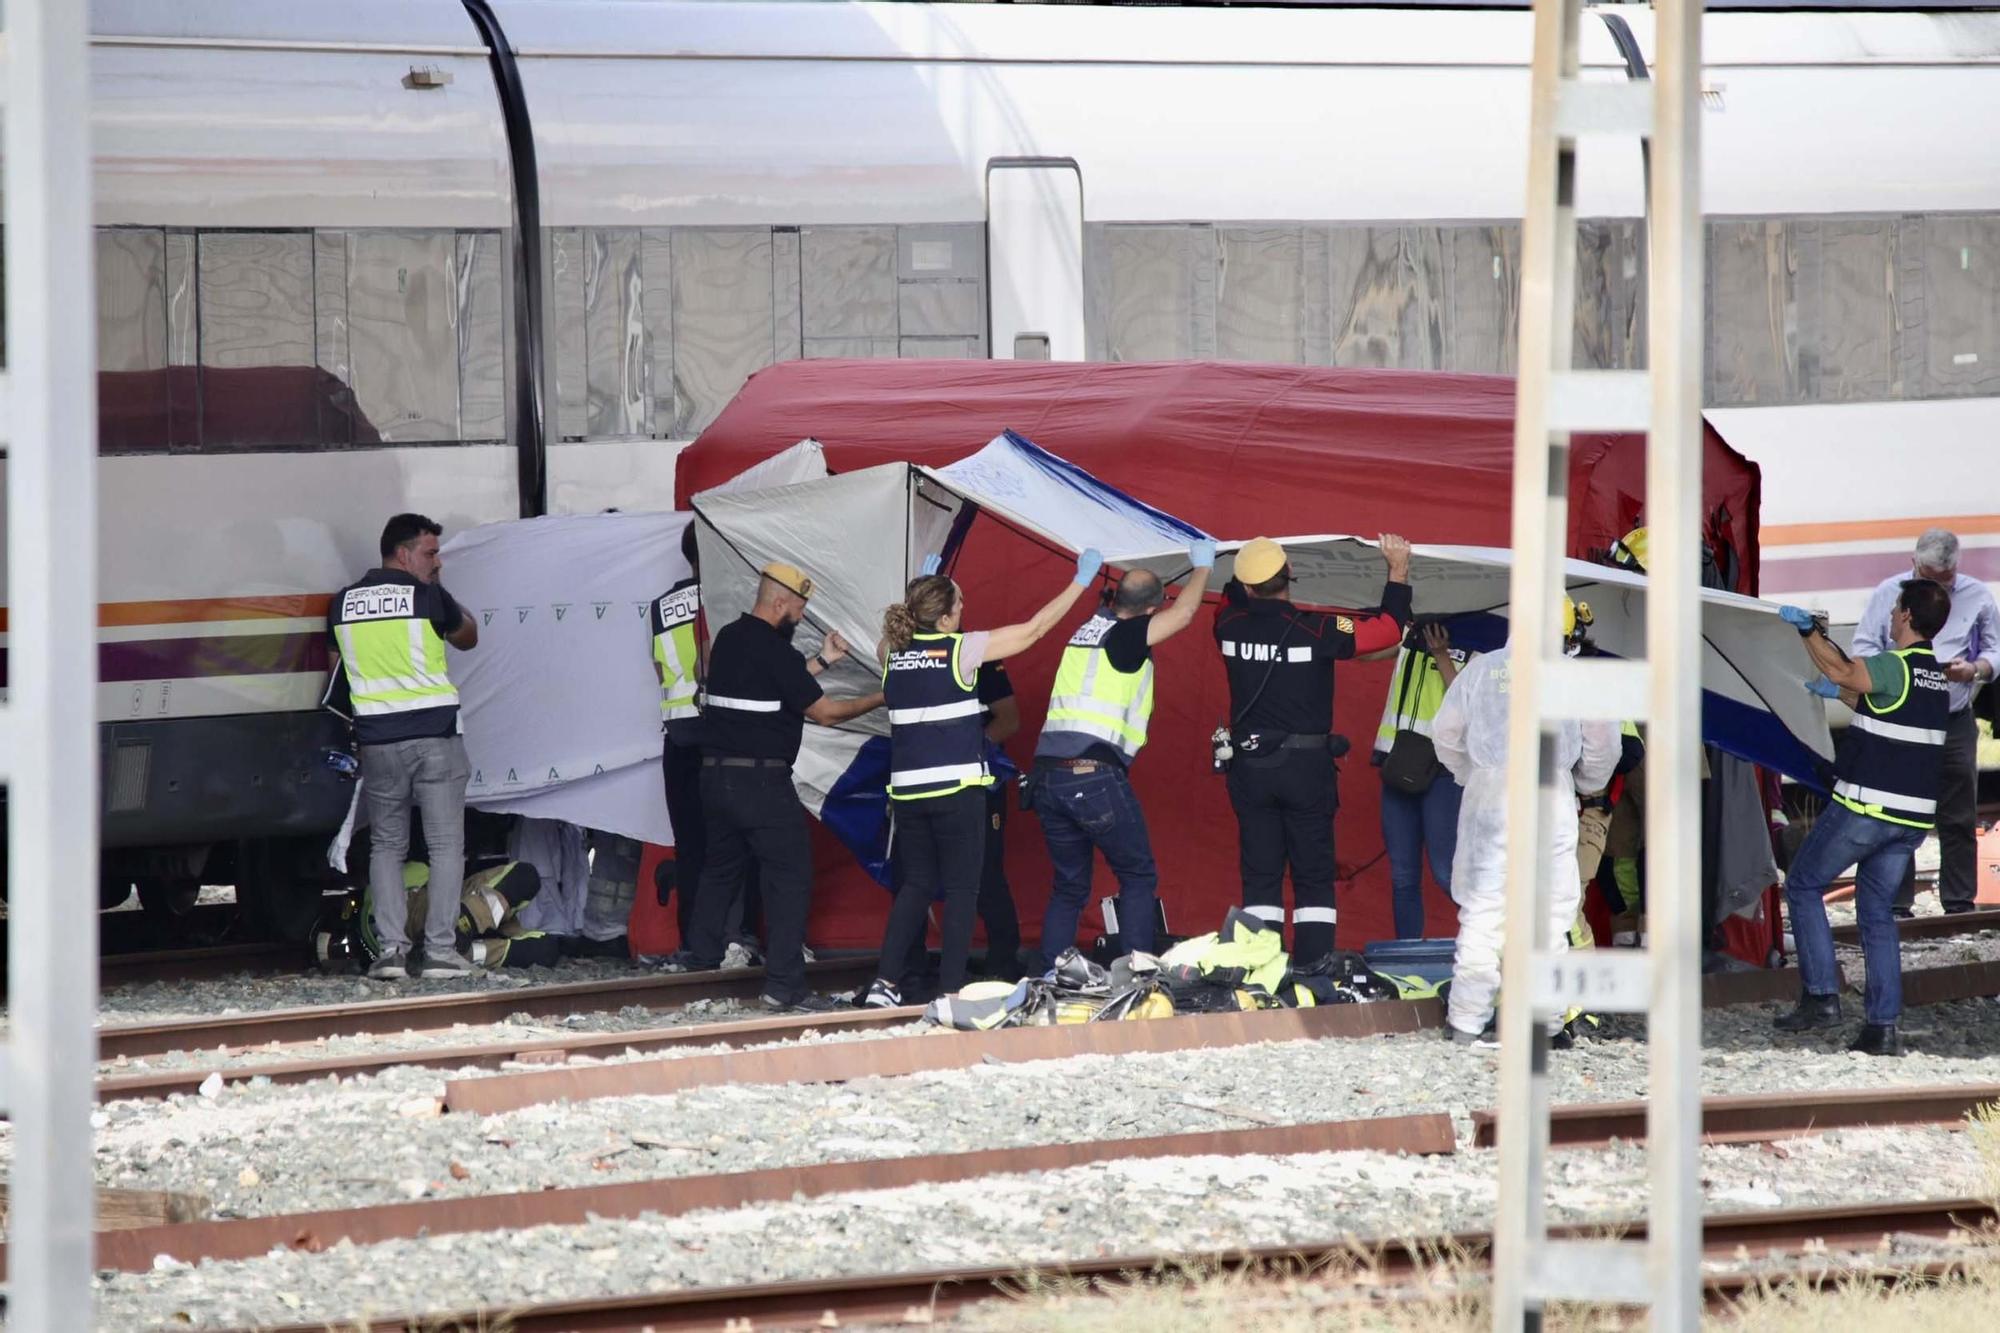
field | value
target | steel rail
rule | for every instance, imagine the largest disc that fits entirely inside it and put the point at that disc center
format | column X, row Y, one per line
column 1759, row 1117
column 134, row 1250
column 919, row 1297
column 431, row 1012
column 933, row 1051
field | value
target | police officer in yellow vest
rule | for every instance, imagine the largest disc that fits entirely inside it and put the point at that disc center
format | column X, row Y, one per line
column 1887, row 775
column 1095, row 727
column 938, row 775
column 1419, row 802
column 390, row 629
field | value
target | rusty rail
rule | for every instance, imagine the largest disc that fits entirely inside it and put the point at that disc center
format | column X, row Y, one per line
column 1938, row 927
column 134, row 1250
column 895, row 1056
column 500, row 1054
column 431, row 1012
column 1758, row 1117
column 892, row 1298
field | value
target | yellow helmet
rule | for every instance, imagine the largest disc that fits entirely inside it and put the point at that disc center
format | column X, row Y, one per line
column 1576, row 619
column 1629, row 551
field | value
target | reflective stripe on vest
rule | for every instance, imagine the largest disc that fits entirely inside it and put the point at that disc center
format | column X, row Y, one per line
column 394, row 658
column 1094, row 699
column 937, row 738
column 744, row 705
column 1891, row 761
column 675, row 653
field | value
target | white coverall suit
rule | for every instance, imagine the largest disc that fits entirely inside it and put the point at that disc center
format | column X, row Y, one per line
column 1470, row 732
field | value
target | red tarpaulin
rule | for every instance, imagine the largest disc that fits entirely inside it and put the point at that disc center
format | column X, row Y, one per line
column 1239, row 450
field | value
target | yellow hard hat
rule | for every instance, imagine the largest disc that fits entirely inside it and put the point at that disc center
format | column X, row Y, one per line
column 1630, row 550
column 1576, row 616
column 1259, row 560
column 789, row 577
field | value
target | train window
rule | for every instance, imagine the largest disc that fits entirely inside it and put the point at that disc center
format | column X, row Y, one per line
column 1845, row 291
column 617, row 367
column 260, row 386
column 1483, row 286
column 1753, row 328
column 401, row 332
column 1610, row 330
column 482, row 337
column 134, row 401
column 656, row 310
column 1260, row 291
column 1956, row 348
column 1151, row 298
column 566, row 300
column 724, row 325
column 848, row 302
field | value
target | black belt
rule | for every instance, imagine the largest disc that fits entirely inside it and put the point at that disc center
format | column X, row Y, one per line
column 731, row 761
column 1283, row 740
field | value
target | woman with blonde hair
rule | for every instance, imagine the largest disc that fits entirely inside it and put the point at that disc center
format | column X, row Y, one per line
column 937, row 762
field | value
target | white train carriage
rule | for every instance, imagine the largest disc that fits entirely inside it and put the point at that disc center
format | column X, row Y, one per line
column 489, row 257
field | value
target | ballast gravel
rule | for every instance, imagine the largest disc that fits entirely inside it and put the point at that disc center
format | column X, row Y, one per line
column 1177, row 1206
column 376, row 1140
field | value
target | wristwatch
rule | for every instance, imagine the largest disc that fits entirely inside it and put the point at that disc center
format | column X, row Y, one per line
column 824, row 665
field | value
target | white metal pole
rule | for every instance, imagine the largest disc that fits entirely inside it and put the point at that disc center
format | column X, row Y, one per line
column 1674, row 646
column 1540, row 525
column 51, row 756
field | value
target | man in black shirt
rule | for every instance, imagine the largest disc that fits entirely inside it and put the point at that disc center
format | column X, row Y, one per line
column 390, row 629
column 760, row 694
column 1282, row 780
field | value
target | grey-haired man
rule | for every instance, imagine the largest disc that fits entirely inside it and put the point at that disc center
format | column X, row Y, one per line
column 1969, row 648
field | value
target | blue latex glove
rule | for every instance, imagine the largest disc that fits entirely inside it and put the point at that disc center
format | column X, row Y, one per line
column 1087, row 565
column 931, row 565
column 1823, row 687
column 1797, row 617
column 1202, row 554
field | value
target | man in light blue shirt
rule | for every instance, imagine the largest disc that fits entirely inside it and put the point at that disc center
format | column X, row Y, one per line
column 1969, row 648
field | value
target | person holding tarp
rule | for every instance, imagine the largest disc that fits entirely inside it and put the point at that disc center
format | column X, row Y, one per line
column 1280, row 748
column 1094, row 729
column 1887, row 777
column 1470, row 732
column 938, row 774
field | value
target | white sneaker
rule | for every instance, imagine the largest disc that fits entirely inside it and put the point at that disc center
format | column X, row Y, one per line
column 881, row 995
column 739, row 954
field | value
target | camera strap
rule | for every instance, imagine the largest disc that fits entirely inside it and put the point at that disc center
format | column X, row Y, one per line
column 1277, row 656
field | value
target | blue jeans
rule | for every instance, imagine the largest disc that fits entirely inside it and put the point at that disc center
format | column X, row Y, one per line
column 1085, row 811
column 1411, row 827
column 1879, row 850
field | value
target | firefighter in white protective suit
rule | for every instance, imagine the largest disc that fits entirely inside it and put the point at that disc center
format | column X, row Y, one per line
column 1470, row 732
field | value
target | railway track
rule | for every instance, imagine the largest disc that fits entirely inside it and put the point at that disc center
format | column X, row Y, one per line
column 269, row 1033
column 1780, row 1238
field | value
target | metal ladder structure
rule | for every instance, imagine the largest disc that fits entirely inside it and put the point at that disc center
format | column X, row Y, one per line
column 1664, row 690
column 48, row 724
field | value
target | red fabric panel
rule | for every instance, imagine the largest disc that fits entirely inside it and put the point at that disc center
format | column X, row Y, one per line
column 1239, row 450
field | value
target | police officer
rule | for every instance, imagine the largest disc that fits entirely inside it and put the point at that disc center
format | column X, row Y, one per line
column 1282, row 781
column 1094, row 729
column 676, row 617
column 938, row 771
column 390, row 629
column 1887, row 777
column 760, row 694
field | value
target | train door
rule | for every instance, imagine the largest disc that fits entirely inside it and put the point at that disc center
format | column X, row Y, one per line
column 1034, row 249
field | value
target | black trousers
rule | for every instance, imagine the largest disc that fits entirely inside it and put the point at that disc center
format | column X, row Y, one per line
column 996, row 899
column 681, row 765
column 755, row 824
column 1285, row 802
column 940, row 843
column 1957, row 819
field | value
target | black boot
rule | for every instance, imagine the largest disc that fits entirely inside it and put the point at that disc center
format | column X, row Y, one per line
column 1877, row 1039
column 1812, row 1011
